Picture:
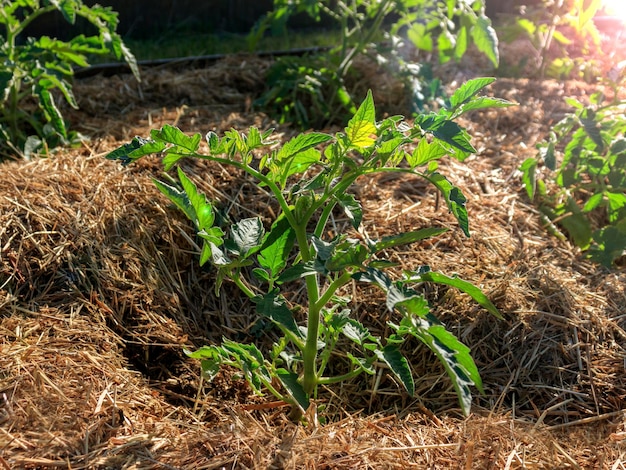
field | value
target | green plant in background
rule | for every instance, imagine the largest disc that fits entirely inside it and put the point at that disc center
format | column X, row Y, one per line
column 309, row 184
column 553, row 26
column 298, row 85
column 36, row 67
column 588, row 199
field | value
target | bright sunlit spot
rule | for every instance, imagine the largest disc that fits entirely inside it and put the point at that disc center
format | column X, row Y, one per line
column 615, row 8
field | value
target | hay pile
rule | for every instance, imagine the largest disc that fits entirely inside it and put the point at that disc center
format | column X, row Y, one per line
column 100, row 292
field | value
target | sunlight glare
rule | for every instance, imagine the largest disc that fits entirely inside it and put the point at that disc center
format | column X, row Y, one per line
column 615, row 8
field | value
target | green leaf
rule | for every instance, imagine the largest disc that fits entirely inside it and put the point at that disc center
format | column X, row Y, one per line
column 609, row 244
column 137, row 148
column 454, row 199
column 449, row 134
column 468, row 90
column 482, row 103
column 301, row 143
column 593, row 202
column 203, row 216
column 301, row 270
column 454, row 355
column 356, row 332
column 361, row 130
column 175, row 136
column 247, row 234
column 406, row 238
column 214, row 142
column 178, row 197
column 53, row 115
column 474, row 292
column 276, row 246
column 529, row 171
column 299, row 163
column 398, row 364
column 348, row 254
column 275, row 308
column 293, row 387
column 249, row 359
column 486, row 39
column 210, row 360
column 352, row 209
column 575, row 223
column 425, row 152
column 617, row 203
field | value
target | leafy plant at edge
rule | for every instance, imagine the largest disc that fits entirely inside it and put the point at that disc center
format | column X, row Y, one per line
column 548, row 26
column 311, row 91
column 309, row 184
column 588, row 199
column 38, row 66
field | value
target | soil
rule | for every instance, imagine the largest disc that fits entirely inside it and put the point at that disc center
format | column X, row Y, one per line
column 100, row 293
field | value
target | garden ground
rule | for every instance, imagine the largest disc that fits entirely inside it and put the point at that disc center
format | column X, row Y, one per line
column 101, row 292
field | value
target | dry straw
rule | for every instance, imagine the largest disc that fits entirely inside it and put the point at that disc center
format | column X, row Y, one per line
column 100, row 292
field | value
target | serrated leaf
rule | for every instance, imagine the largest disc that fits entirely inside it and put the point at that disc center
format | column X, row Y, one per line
column 52, row 113
column 594, row 201
column 361, row 130
column 247, row 234
column 175, row 136
column 214, row 142
column 178, row 197
column 352, row 208
column 474, row 292
column 482, row 102
column 300, row 143
column 274, row 307
column 276, row 246
column 301, row 270
column 617, row 204
column 529, row 178
column 454, row 199
column 356, row 332
column 468, row 90
column 454, row 355
column 398, row 364
column 425, row 152
column 203, row 216
column 486, row 39
column 293, row 387
column 137, row 148
column 449, row 133
column 349, row 254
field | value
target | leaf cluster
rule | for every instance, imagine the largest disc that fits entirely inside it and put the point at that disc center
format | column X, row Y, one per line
column 586, row 153
column 39, row 67
column 310, row 177
column 552, row 27
column 312, row 91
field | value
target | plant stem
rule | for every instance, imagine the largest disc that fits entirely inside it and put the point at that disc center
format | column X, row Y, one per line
column 332, row 288
column 339, row 378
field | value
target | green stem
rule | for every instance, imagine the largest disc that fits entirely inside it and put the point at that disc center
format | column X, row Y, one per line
column 242, row 285
column 332, row 288
column 277, row 193
column 33, row 16
column 339, row 378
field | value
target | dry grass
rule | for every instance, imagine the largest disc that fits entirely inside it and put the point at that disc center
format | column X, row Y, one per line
column 100, row 292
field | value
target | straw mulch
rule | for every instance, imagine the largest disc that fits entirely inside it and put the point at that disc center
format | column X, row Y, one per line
column 100, row 293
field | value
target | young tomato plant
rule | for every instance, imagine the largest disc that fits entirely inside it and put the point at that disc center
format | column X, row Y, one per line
column 309, row 184
column 312, row 92
column 38, row 66
column 588, row 199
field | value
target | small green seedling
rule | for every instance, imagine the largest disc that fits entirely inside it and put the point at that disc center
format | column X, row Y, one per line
column 310, row 176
